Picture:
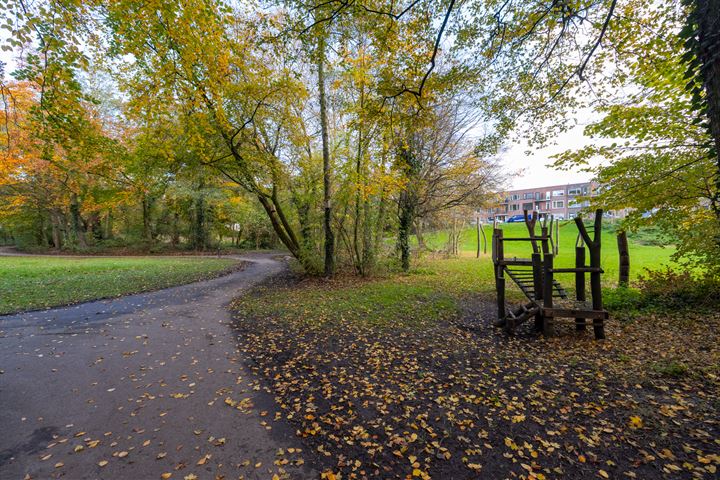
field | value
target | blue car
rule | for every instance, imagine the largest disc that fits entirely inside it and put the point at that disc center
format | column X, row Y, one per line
column 518, row 218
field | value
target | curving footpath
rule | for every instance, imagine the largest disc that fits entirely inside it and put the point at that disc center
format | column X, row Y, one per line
column 136, row 387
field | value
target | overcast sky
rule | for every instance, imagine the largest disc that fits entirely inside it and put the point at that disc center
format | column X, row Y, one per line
column 531, row 165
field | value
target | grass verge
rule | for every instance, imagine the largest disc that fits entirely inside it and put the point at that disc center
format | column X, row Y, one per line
column 28, row 283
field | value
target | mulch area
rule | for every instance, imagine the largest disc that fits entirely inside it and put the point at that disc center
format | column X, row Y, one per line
column 460, row 400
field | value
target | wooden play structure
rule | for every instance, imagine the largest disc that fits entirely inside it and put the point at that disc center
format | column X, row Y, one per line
column 536, row 277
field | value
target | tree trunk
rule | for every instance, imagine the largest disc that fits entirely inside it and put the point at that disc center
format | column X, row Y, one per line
column 708, row 18
column 108, row 226
column 327, row 185
column 380, row 224
column 175, row 235
column 199, row 228
column 407, row 213
column 419, row 234
column 146, row 207
column 624, row 257
column 77, row 221
column 56, row 232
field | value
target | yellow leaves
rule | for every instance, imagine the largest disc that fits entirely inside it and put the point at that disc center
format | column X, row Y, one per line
column 122, row 454
column 78, row 448
column 59, row 464
column 161, row 455
column 636, row 422
column 165, row 475
column 102, row 463
column 518, row 418
column 328, row 476
column 244, row 405
column 204, row 459
column 603, row 474
column 190, row 476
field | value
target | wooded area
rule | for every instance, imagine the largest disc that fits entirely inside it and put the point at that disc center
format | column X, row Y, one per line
column 340, row 129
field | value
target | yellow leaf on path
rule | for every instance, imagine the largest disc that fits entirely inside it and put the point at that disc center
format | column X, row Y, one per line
column 102, row 463
column 203, row 460
column 59, row 464
column 46, row 457
column 146, row 443
column 78, row 448
column 603, row 474
column 191, row 476
column 161, row 455
column 166, row 475
column 123, row 454
column 636, row 422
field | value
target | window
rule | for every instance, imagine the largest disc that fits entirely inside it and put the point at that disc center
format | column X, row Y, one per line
column 575, row 191
column 558, row 193
column 558, row 204
column 514, row 207
column 514, row 196
column 527, row 196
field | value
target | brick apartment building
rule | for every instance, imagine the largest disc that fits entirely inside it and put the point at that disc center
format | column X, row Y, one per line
column 561, row 201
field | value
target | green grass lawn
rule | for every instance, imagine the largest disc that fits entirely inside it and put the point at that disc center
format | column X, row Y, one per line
column 28, row 283
column 642, row 256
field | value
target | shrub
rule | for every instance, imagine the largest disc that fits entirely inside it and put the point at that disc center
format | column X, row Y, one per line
column 670, row 368
column 670, row 289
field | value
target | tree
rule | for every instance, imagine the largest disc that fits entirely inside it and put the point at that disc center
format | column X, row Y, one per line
column 663, row 170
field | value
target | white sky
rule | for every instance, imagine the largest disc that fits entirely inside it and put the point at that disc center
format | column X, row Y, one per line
column 531, row 165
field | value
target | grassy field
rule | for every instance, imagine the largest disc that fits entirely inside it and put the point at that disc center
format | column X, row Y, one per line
column 642, row 255
column 28, row 283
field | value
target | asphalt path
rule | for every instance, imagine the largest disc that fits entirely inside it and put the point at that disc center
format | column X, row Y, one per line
column 139, row 387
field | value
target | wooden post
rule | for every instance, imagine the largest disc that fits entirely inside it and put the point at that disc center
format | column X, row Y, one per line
column 624, row 255
column 530, row 224
column 580, row 282
column 482, row 230
column 537, row 288
column 557, row 238
column 479, row 227
column 548, row 320
column 545, row 240
column 594, row 245
column 499, row 273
